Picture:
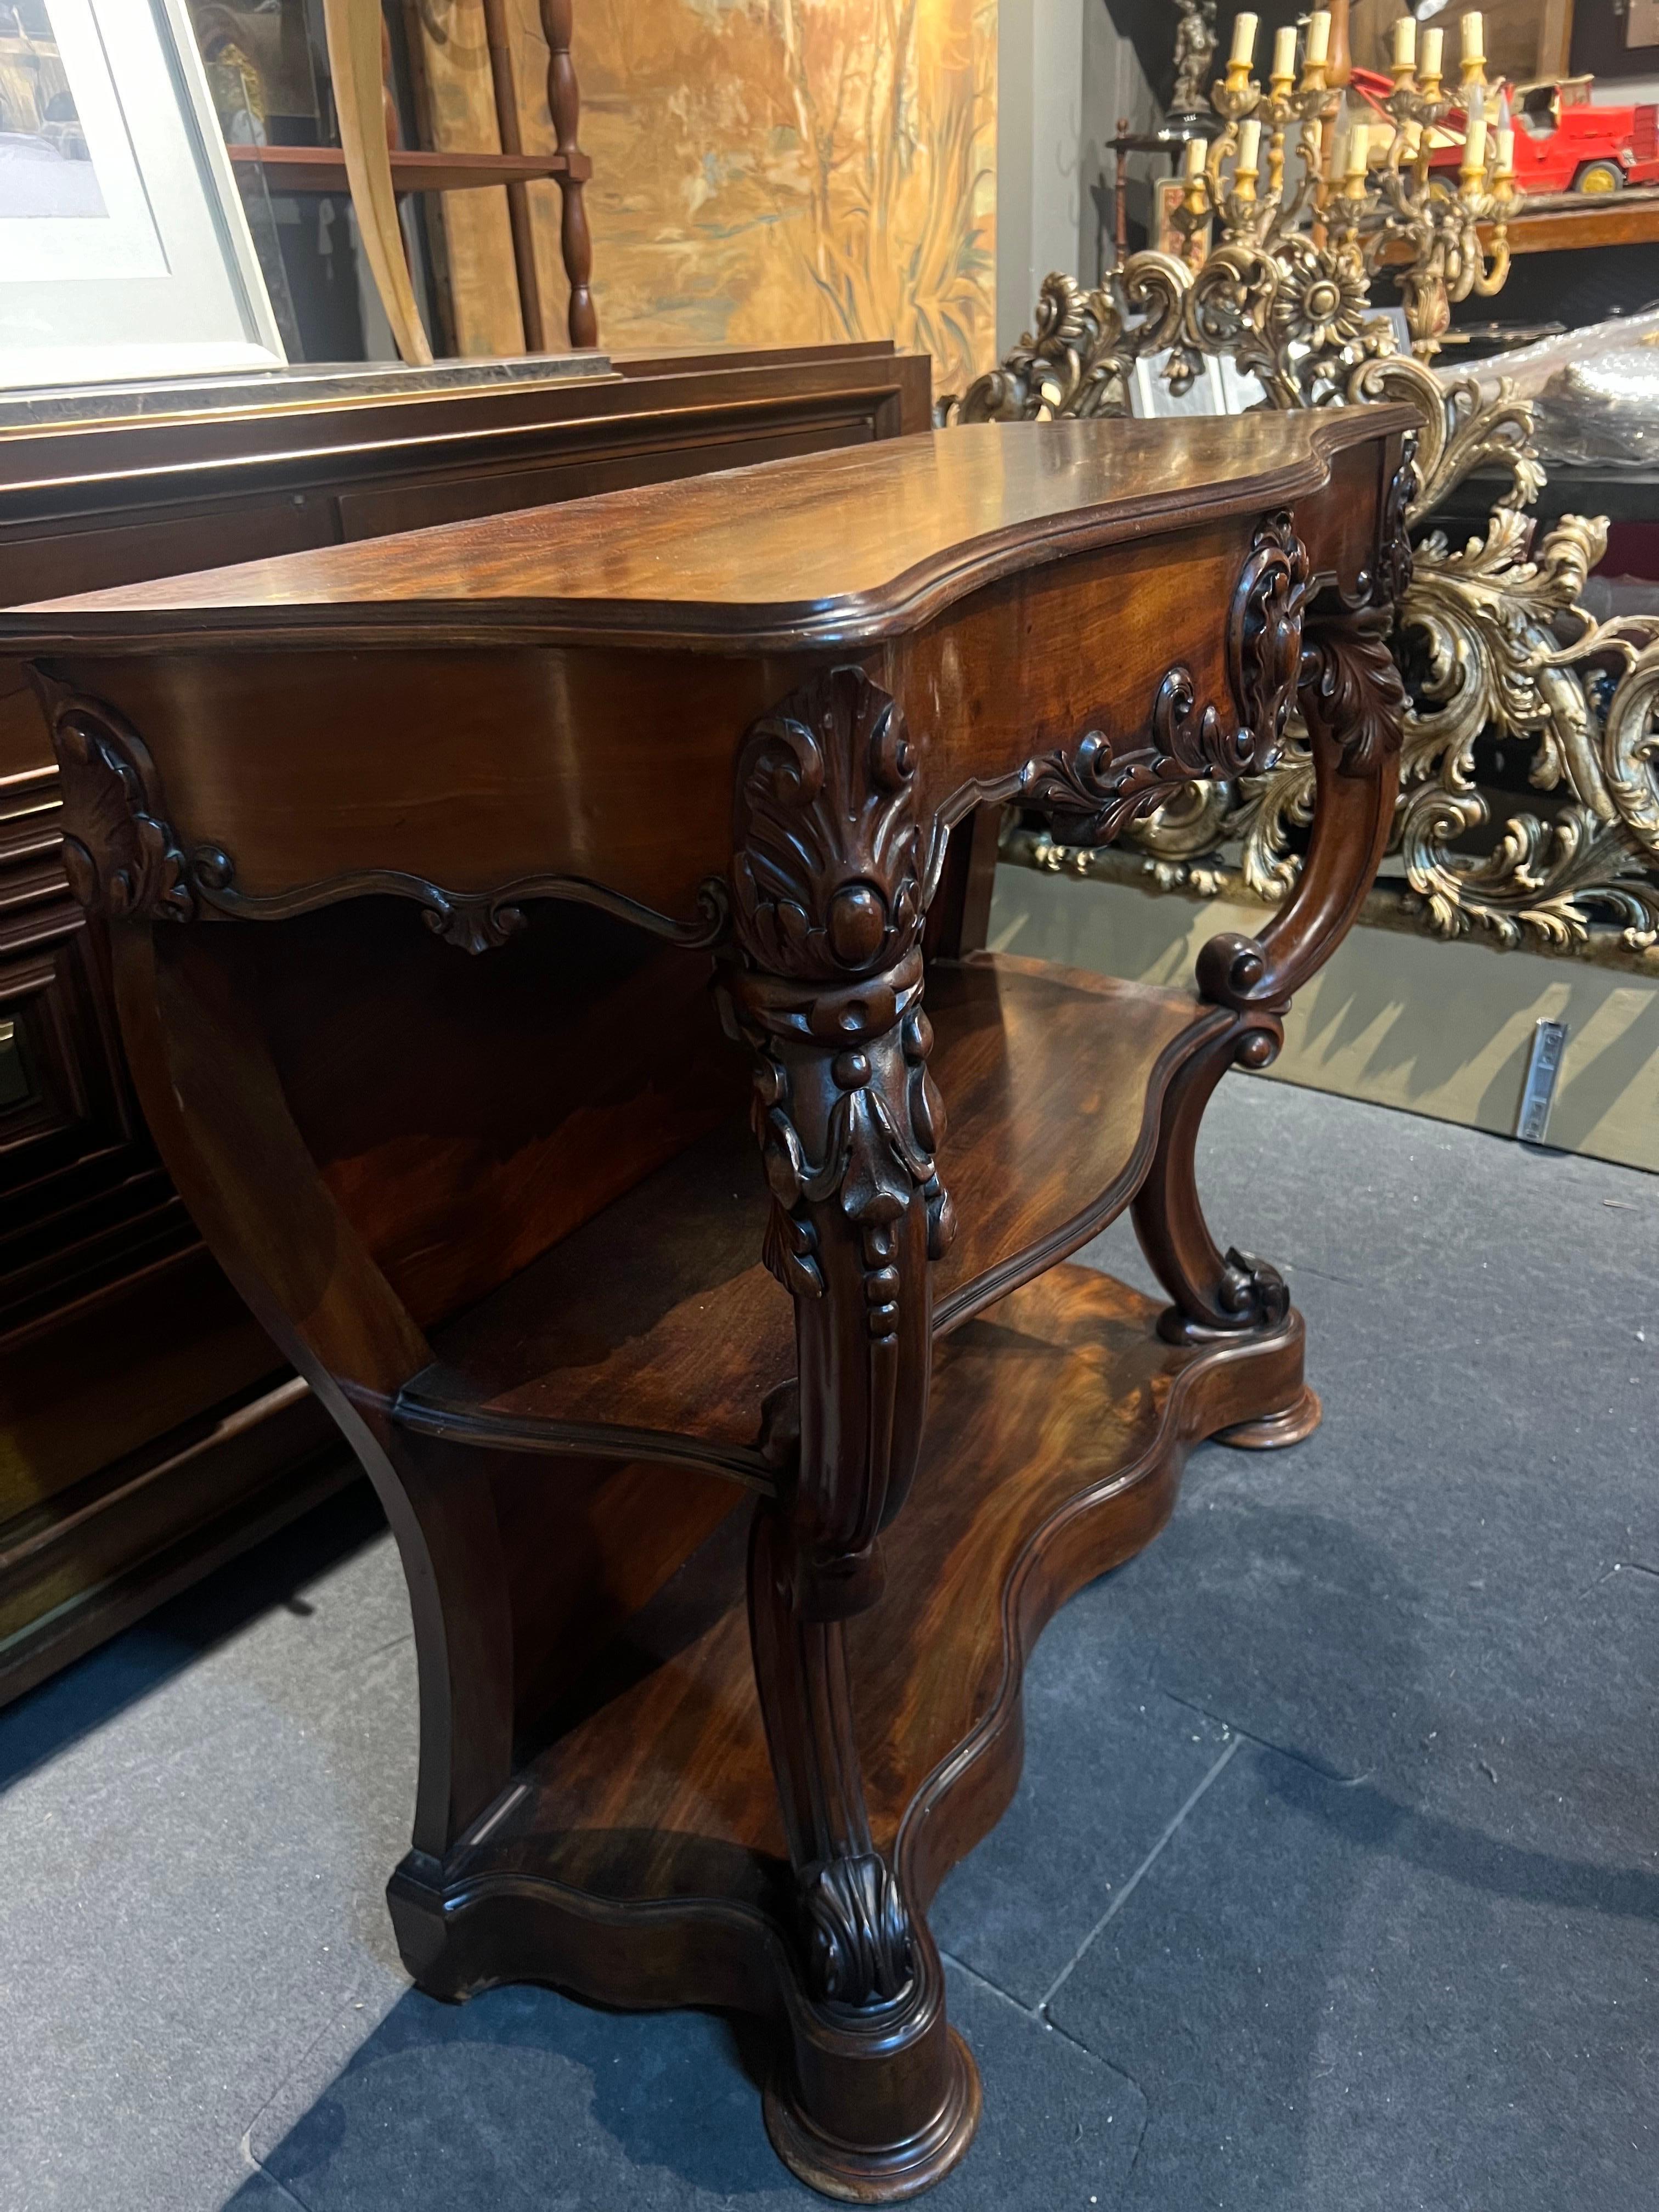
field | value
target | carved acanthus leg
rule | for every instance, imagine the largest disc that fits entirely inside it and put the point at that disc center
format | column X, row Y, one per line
column 856, row 1929
column 829, row 892
column 827, row 902
column 847, row 1123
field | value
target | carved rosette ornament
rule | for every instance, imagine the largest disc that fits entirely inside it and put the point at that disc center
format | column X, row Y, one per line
column 1098, row 790
column 120, row 854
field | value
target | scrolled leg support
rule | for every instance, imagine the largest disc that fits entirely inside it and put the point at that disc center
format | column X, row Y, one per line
column 1351, row 700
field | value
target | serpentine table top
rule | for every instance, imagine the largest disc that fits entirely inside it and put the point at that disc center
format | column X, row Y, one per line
column 868, row 542
column 753, row 731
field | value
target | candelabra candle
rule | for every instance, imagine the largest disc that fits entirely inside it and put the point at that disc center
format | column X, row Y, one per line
column 1237, row 82
column 1474, row 156
column 1356, row 204
column 1193, row 161
column 1359, row 155
column 1503, row 171
column 1248, row 168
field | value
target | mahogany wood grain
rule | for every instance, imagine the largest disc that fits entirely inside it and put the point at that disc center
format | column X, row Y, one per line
column 871, row 543
column 470, row 785
column 450, row 1103
column 513, row 1231
column 693, row 405
column 132, row 1456
column 1054, row 1079
column 1060, row 1424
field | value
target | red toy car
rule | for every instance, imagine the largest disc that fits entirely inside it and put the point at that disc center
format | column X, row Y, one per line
column 1562, row 142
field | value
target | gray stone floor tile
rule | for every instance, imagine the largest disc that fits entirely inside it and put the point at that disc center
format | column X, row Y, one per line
column 194, row 1890
column 1290, row 1626
column 1108, row 1764
column 522, row 2099
column 1327, row 1997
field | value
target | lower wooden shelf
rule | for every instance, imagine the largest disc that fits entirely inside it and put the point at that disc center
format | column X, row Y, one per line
column 1059, row 1426
column 656, row 1322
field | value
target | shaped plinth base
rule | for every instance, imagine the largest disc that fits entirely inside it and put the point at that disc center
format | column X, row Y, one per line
column 638, row 1858
column 1274, row 1431
column 886, row 2177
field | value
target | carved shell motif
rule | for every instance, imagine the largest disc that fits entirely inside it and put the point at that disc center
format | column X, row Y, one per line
column 828, row 873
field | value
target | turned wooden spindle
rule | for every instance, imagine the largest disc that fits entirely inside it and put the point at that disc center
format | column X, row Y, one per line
column 1338, row 66
column 564, row 104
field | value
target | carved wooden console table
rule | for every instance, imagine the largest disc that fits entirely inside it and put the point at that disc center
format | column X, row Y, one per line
column 505, row 1214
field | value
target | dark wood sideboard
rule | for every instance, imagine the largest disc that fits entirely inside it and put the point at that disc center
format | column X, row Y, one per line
column 714, row 1350
column 149, row 1428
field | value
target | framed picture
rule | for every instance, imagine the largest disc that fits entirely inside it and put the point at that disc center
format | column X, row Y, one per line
column 124, row 251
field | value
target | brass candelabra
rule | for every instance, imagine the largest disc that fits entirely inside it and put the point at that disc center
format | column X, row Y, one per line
column 1367, row 186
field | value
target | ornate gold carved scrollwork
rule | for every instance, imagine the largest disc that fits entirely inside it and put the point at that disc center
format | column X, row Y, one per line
column 1078, row 357
column 1492, row 629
